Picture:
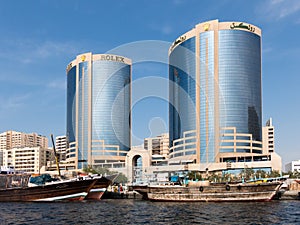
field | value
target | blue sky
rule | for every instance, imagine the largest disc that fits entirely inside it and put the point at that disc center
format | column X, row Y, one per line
column 39, row 38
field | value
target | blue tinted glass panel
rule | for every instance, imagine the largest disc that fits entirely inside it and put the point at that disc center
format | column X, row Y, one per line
column 182, row 90
column 111, row 103
column 240, row 81
column 207, row 97
column 71, row 103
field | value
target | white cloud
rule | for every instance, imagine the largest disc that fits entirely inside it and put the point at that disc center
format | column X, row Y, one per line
column 279, row 9
column 166, row 29
column 49, row 48
column 178, row 2
column 276, row 1
column 27, row 54
column 58, row 84
column 14, row 102
column 30, row 51
column 267, row 50
column 162, row 28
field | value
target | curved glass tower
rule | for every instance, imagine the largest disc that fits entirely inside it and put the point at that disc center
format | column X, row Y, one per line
column 98, row 110
column 215, row 93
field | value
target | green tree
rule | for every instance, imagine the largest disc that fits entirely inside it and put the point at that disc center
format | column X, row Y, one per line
column 121, row 178
column 248, row 173
column 193, row 175
column 214, row 177
column 97, row 170
column 293, row 174
column 261, row 174
column 274, row 173
column 226, row 177
column 296, row 174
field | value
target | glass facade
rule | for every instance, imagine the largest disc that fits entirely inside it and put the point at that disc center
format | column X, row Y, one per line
column 111, row 103
column 225, row 59
column 83, row 100
column 98, row 109
column 71, row 103
column 240, row 82
column 207, row 97
column 182, row 91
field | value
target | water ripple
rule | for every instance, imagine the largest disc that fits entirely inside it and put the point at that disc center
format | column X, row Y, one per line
column 129, row 211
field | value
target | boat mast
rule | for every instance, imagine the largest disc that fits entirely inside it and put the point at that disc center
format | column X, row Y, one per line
column 56, row 156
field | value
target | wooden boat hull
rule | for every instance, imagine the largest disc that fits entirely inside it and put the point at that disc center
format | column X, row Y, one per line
column 95, row 193
column 100, row 187
column 66, row 190
column 211, row 193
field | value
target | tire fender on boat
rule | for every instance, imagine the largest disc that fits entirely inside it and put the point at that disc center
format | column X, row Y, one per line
column 227, row 187
column 201, row 188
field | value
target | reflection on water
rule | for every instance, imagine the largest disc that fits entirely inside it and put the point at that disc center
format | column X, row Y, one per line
column 129, row 211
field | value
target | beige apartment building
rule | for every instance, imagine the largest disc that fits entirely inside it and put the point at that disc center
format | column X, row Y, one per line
column 61, row 146
column 22, row 151
column 1, row 157
column 26, row 159
column 158, row 148
column 15, row 139
column 268, row 137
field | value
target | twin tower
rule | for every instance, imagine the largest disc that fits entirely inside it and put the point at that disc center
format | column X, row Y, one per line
column 215, row 100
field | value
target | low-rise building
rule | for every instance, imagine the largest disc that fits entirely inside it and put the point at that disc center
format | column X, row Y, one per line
column 1, row 157
column 268, row 135
column 293, row 166
column 153, row 158
column 22, row 151
column 158, row 148
column 61, row 146
column 27, row 159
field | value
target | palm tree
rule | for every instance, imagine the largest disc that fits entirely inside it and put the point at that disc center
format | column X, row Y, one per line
column 274, row 173
column 249, row 173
